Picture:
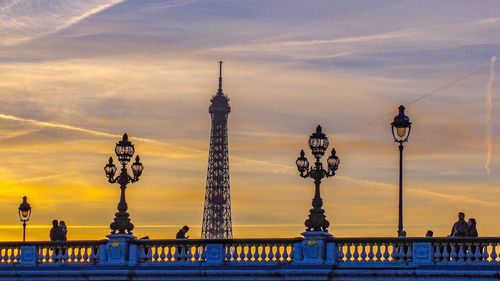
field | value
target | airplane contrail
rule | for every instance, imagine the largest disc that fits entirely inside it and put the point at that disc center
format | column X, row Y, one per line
column 77, row 129
column 489, row 109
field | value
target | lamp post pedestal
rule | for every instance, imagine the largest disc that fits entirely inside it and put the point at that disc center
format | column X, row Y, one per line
column 314, row 248
column 119, row 250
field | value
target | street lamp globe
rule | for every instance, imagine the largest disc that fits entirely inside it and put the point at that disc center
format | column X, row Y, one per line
column 333, row 161
column 124, row 150
column 110, row 168
column 318, row 142
column 24, row 210
column 302, row 162
column 401, row 126
column 137, row 167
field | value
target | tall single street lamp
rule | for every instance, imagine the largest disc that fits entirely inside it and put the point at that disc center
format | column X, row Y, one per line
column 401, row 127
column 318, row 142
column 24, row 214
column 124, row 151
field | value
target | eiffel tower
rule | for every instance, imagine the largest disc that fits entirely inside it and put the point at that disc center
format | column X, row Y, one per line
column 217, row 213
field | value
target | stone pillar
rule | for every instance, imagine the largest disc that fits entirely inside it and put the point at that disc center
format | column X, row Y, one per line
column 214, row 254
column 118, row 250
column 313, row 249
column 422, row 253
column 28, row 256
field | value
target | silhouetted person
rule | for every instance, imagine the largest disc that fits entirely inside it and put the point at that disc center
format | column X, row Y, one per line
column 429, row 233
column 472, row 229
column 56, row 233
column 64, row 230
column 459, row 228
column 181, row 250
column 181, row 234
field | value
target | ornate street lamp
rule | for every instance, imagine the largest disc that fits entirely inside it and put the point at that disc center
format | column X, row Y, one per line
column 401, row 127
column 24, row 214
column 318, row 143
column 124, row 151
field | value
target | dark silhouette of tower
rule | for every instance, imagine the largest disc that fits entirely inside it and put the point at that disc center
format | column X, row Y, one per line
column 217, row 213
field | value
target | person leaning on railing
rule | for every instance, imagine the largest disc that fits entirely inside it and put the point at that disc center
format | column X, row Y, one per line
column 182, row 250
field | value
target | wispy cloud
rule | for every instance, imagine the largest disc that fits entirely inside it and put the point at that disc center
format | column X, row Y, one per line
column 489, row 109
column 22, row 20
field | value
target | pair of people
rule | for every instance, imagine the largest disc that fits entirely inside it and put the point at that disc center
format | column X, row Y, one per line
column 464, row 228
column 59, row 231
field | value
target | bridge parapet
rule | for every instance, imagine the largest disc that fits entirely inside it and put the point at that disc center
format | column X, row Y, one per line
column 319, row 258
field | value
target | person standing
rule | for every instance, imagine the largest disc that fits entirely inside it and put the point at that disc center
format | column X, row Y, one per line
column 459, row 228
column 182, row 249
column 181, row 234
column 472, row 228
column 64, row 230
column 56, row 233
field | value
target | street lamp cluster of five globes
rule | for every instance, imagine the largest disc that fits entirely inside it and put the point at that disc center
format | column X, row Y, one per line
column 318, row 143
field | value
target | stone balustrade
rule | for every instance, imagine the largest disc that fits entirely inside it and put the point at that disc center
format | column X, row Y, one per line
column 315, row 257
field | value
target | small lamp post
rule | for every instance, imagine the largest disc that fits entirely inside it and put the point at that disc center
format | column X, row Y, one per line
column 318, row 143
column 401, row 127
column 124, row 151
column 24, row 214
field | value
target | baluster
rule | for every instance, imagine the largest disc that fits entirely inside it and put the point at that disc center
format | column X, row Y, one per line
column 203, row 247
column 446, row 255
column 437, row 251
column 477, row 252
column 386, row 254
column 149, row 253
column 394, row 252
column 493, row 254
column 348, row 254
column 169, row 256
column 401, row 251
column 249, row 252
column 285, row 252
column 2, row 253
column 85, row 254
column 71, row 256
column 196, row 253
column 162, row 255
column 242, row 252
column 256, row 253
column 340, row 252
column 48, row 255
column 356, row 252
column 363, row 252
column 453, row 252
column 271, row 254
column 278, row 253
column 79, row 256
column 264, row 252
column 60, row 255
column 189, row 252
column 409, row 251
column 156, row 255
column 371, row 255
column 291, row 252
column 379, row 252
column 18, row 255
column 469, row 256
column 461, row 253
column 8, row 252
column 235, row 252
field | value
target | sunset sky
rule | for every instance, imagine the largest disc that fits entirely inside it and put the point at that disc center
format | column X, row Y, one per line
column 75, row 75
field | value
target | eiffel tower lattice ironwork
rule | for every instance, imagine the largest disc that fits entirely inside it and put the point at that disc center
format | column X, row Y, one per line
column 217, row 212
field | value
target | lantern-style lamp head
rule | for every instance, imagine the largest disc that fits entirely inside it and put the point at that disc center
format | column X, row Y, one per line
column 124, row 150
column 318, row 142
column 24, row 210
column 110, row 168
column 401, row 126
column 302, row 162
column 137, row 167
column 333, row 161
